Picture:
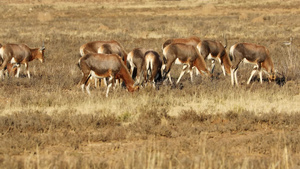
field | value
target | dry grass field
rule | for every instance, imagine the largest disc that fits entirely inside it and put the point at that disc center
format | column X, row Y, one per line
column 47, row 122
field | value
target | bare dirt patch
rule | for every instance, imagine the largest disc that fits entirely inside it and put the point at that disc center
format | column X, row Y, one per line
column 44, row 16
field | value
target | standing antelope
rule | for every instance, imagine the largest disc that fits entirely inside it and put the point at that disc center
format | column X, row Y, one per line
column 19, row 54
column 106, row 47
column 102, row 66
column 183, row 54
column 254, row 54
column 214, row 50
column 193, row 40
column 153, row 64
column 136, row 59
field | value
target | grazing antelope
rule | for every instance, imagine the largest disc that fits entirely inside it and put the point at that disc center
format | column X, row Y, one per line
column 254, row 54
column 136, row 59
column 153, row 64
column 105, row 47
column 214, row 50
column 11, row 70
column 102, row 66
column 188, row 41
column 183, row 54
column 19, row 54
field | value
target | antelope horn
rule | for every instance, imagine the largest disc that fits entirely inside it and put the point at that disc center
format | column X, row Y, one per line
column 277, row 72
column 282, row 74
column 288, row 43
column 43, row 46
column 225, row 40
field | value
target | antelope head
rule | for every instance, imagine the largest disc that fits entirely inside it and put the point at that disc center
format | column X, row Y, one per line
column 40, row 55
column 272, row 77
column 133, row 88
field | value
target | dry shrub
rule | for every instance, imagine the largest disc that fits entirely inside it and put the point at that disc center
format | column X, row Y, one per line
column 29, row 130
column 191, row 116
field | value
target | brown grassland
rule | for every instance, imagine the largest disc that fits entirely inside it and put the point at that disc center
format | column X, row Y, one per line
column 47, row 122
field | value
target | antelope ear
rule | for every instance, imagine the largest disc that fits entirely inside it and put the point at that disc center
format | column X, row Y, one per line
column 43, row 47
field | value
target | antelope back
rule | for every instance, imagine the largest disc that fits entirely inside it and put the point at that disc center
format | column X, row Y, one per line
column 188, row 41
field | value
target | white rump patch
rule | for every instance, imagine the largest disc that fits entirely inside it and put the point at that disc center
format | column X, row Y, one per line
column 130, row 60
column 165, row 51
column 149, row 61
column 81, row 52
column 199, row 48
column 1, row 52
column 232, row 50
column 129, row 57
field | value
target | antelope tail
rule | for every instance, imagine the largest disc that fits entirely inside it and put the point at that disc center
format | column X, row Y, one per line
column 78, row 64
column 231, row 55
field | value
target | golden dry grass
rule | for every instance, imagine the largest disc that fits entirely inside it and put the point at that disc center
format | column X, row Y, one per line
column 47, row 122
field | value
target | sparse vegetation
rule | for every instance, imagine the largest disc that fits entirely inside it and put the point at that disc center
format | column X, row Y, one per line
column 47, row 122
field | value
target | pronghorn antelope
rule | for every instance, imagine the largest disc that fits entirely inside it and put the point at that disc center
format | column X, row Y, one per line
column 214, row 50
column 188, row 41
column 136, row 60
column 102, row 66
column 20, row 54
column 254, row 54
column 106, row 47
column 183, row 54
column 153, row 63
